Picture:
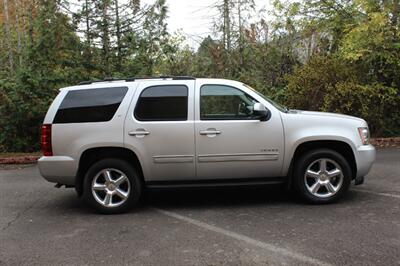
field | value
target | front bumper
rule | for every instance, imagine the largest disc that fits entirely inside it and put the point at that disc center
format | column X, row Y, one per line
column 58, row 169
column 365, row 157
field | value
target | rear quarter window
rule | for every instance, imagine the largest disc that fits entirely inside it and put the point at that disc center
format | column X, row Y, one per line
column 90, row 105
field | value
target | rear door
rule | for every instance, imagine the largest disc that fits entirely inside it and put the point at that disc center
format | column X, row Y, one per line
column 159, row 127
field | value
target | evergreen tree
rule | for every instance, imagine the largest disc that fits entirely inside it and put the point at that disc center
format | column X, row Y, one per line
column 154, row 37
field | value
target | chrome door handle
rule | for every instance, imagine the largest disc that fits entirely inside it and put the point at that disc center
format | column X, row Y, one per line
column 138, row 132
column 210, row 132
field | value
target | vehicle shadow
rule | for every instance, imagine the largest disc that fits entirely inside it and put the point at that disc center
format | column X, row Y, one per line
column 203, row 198
column 216, row 196
column 227, row 197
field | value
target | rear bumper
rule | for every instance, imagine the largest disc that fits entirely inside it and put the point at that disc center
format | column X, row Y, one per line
column 58, row 169
column 365, row 157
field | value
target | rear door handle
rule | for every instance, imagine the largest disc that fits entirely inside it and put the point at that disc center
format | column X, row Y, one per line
column 138, row 132
column 210, row 132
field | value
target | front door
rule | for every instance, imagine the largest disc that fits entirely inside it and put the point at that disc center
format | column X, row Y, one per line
column 159, row 127
column 230, row 142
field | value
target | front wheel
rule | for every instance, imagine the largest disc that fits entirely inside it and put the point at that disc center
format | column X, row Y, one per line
column 321, row 176
column 112, row 186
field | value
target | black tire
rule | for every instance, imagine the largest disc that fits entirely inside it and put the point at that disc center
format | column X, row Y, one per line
column 305, row 160
column 135, row 186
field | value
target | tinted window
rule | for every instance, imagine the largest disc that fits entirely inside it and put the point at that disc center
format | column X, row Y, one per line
column 163, row 103
column 219, row 102
column 90, row 105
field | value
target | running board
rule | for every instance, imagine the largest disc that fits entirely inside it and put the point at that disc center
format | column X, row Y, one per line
column 216, row 183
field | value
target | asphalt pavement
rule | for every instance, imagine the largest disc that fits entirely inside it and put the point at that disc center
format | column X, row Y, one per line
column 43, row 225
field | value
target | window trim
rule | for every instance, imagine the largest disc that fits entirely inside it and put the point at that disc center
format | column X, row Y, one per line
column 162, row 120
column 226, row 119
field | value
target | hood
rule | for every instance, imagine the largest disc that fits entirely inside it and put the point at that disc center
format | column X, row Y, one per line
column 325, row 114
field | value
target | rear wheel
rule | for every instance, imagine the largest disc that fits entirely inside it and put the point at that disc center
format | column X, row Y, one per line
column 321, row 176
column 112, row 186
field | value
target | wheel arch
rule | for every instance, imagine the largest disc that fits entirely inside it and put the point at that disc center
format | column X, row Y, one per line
column 92, row 155
column 339, row 146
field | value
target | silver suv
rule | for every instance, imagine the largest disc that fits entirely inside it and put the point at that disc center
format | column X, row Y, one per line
column 111, row 139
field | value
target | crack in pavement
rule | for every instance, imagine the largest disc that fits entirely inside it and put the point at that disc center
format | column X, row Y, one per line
column 19, row 215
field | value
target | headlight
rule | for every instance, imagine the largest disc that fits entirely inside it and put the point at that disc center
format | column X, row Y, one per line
column 364, row 135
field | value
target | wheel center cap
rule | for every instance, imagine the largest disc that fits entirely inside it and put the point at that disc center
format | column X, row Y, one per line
column 111, row 187
column 323, row 177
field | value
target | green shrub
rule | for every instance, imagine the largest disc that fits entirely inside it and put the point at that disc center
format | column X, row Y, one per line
column 377, row 104
column 23, row 105
column 332, row 84
column 310, row 83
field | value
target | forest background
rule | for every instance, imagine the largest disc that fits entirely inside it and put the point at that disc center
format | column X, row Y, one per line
column 327, row 55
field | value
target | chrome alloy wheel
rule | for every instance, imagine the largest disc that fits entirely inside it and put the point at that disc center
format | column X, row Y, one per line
column 323, row 178
column 111, row 187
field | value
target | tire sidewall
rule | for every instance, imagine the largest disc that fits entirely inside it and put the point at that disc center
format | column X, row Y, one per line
column 128, row 170
column 301, row 166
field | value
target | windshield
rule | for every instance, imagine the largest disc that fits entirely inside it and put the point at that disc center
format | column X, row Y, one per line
column 278, row 106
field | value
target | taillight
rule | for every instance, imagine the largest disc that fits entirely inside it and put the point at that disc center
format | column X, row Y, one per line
column 46, row 140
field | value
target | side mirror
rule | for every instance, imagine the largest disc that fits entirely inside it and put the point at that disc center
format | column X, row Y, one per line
column 260, row 112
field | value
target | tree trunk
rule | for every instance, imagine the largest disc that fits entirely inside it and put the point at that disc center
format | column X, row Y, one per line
column 24, row 15
column 118, row 33
column 88, row 36
column 18, row 28
column 8, row 36
column 241, row 48
column 227, row 25
column 31, row 24
column 106, row 38
column 395, row 18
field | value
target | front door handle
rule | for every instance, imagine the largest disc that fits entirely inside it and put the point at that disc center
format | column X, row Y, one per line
column 209, row 132
column 138, row 133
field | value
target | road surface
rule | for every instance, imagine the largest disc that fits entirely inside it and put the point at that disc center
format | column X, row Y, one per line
column 265, row 226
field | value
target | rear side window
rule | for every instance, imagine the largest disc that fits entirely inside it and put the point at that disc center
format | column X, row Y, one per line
column 163, row 103
column 90, row 105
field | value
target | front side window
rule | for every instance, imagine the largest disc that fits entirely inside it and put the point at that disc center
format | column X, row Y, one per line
column 90, row 105
column 163, row 103
column 220, row 102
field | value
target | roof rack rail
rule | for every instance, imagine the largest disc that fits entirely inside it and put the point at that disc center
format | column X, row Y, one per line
column 87, row 82
column 178, row 77
column 162, row 77
column 137, row 78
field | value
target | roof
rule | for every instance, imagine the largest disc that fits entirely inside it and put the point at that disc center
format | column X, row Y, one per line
column 137, row 78
column 113, row 82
